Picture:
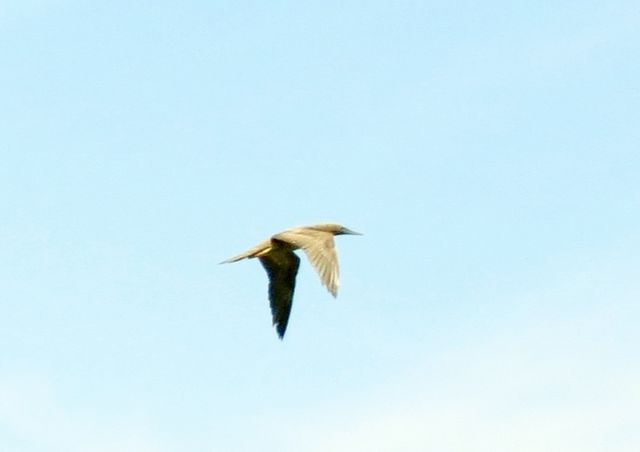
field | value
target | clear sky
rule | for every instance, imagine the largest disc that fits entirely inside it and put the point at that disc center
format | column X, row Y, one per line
column 489, row 151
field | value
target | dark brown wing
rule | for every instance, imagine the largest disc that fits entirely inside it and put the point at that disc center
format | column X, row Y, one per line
column 282, row 267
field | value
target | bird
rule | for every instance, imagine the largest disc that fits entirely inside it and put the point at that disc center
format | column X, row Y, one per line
column 276, row 254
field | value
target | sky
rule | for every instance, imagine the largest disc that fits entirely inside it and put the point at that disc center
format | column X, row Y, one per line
column 489, row 153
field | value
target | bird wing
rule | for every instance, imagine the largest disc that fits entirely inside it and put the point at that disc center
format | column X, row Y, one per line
column 321, row 251
column 282, row 268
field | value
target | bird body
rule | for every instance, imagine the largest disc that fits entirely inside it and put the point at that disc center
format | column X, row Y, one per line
column 281, row 264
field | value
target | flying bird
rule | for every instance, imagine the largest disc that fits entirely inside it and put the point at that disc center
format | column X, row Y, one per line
column 281, row 263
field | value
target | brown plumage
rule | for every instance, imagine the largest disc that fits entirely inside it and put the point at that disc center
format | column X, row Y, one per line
column 281, row 263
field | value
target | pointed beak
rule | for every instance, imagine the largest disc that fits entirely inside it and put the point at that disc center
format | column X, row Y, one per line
column 350, row 232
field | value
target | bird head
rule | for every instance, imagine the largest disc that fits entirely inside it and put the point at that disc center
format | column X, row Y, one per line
column 335, row 229
column 346, row 231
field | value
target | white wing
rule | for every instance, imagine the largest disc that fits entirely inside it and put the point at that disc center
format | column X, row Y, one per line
column 321, row 251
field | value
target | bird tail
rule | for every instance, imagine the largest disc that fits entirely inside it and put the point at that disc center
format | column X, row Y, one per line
column 235, row 258
column 253, row 252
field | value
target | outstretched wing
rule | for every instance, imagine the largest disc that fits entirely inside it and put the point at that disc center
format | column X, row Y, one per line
column 282, row 268
column 321, row 251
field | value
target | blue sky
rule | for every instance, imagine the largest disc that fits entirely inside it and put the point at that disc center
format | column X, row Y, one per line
column 489, row 153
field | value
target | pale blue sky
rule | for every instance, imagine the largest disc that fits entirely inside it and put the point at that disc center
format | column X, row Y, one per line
column 490, row 153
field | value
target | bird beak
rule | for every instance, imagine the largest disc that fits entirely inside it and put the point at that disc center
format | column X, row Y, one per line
column 350, row 232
